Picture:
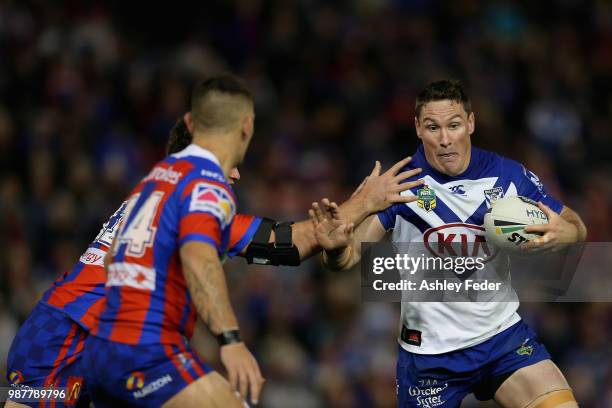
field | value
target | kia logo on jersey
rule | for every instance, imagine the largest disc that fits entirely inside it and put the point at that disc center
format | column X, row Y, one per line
column 458, row 239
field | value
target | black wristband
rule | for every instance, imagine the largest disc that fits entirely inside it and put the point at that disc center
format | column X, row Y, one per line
column 229, row 337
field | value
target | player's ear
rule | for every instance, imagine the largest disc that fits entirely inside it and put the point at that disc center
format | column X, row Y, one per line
column 248, row 123
column 188, row 121
column 417, row 127
column 471, row 123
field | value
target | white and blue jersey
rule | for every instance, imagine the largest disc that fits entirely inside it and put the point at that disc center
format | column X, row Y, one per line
column 451, row 209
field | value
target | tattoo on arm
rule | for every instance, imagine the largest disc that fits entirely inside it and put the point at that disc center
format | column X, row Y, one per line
column 207, row 286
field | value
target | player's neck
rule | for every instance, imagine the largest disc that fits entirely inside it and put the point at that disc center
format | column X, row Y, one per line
column 222, row 151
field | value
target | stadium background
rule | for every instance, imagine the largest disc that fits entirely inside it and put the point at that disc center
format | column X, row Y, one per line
column 88, row 93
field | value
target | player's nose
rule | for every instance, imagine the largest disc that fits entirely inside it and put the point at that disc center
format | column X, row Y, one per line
column 445, row 140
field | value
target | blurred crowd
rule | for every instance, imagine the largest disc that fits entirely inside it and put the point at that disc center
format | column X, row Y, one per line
column 89, row 92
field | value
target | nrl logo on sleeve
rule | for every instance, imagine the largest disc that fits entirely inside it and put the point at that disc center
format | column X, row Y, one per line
column 493, row 194
column 216, row 200
column 426, row 198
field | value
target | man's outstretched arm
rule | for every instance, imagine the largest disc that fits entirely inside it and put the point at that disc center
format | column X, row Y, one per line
column 376, row 193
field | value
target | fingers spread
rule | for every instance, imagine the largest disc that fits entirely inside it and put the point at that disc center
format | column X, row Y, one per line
column 399, row 165
column 407, row 186
column 406, row 174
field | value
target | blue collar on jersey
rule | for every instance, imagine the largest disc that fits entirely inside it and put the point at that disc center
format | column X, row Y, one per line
column 472, row 171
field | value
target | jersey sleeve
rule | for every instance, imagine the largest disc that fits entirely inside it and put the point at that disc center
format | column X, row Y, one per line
column 242, row 230
column 207, row 208
column 387, row 217
column 530, row 186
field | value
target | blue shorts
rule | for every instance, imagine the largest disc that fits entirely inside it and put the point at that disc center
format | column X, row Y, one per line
column 147, row 375
column 443, row 380
column 46, row 352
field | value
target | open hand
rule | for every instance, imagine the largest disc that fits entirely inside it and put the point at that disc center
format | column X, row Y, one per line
column 379, row 191
column 331, row 231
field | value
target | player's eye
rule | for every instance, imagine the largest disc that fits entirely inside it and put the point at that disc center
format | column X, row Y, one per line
column 432, row 128
column 453, row 125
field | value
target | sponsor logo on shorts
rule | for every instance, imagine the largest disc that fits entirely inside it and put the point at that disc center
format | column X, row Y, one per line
column 135, row 380
column 15, row 377
column 74, row 388
column 525, row 350
column 428, row 393
column 185, row 360
column 152, row 386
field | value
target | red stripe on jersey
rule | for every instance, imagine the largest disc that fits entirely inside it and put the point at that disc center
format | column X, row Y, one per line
column 87, row 279
column 175, row 300
column 200, row 223
column 179, row 366
column 92, row 316
column 239, row 227
column 130, row 318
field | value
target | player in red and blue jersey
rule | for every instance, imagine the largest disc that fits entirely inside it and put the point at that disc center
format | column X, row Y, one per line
column 165, row 269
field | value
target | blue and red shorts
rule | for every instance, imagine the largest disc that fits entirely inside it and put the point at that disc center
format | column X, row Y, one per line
column 46, row 352
column 147, row 375
column 443, row 380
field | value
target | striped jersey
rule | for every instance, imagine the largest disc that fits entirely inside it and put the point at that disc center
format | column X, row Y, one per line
column 80, row 292
column 451, row 209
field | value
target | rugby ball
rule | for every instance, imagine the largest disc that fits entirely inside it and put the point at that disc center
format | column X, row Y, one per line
column 505, row 222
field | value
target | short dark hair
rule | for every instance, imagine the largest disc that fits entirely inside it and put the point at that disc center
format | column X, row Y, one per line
column 210, row 106
column 179, row 137
column 445, row 89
